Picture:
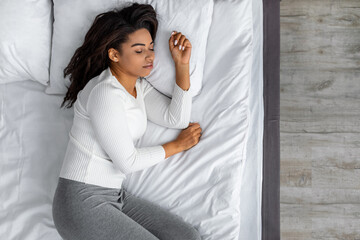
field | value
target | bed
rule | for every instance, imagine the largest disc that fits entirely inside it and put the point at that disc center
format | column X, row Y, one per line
column 227, row 186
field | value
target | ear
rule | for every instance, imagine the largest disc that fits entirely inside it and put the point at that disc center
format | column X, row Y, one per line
column 113, row 55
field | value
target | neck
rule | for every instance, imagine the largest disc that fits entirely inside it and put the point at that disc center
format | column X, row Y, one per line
column 125, row 79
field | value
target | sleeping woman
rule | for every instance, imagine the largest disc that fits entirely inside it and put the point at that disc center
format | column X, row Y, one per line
column 112, row 102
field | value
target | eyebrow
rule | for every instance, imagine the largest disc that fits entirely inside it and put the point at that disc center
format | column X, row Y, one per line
column 141, row 44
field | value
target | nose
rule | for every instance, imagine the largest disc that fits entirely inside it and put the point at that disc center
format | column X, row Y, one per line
column 150, row 56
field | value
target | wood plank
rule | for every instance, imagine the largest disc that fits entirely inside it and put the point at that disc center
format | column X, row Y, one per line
column 322, row 101
column 317, row 160
column 296, row 162
column 295, row 212
column 323, row 32
column 316, row 213
column 320, row 119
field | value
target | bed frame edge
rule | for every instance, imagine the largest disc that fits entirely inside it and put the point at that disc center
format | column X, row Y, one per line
column 271, row 142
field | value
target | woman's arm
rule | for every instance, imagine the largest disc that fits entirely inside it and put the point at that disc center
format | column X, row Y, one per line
column 170, row 113
column 106, row 109
column 171, row 148
column 182, row 76
column 180, row 48
column 175, row 113
column 187, row 139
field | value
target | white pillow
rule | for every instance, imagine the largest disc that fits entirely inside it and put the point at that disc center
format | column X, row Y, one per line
column 191, row 18
column 25, row 40
column 73, row 19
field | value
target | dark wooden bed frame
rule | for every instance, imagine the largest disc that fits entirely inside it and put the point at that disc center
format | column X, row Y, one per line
column 270, row 209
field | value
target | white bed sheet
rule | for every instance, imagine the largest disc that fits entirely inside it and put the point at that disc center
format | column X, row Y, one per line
column 215, row 186
column 251, row 183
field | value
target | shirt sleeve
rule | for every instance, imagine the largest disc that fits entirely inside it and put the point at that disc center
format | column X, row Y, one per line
column 171, row 113
column 106, row 109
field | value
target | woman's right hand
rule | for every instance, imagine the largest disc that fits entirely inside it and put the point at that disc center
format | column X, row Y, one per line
column 189, row 136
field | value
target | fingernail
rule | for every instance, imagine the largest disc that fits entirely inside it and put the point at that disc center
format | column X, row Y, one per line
column 175, row 42
column 173, row 33
column 179, row 47
column 183, row 48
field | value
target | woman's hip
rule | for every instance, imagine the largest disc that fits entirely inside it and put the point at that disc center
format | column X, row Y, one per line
column 76, row 201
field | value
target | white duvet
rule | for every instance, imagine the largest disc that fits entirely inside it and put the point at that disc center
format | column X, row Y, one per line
column 215, row 186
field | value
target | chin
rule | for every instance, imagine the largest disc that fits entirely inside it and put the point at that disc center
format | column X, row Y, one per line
column 145, row 75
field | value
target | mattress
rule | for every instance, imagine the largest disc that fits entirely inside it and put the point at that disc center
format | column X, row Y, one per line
column 215, row 186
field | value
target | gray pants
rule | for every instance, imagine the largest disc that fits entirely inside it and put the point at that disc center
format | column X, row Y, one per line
column 89, row 212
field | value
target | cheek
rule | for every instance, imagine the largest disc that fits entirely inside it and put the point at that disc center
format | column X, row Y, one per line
column 136, row 59
column 132, row 62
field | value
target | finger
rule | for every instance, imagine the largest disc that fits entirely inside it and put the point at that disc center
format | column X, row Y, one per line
column 171, row 39
column 191, row 124
column 198, row 137
column 181, row 42
column 173, row 34
column 196, row 126
column 171, row 42
column 187, row 44
column 177, row 37
column 198, row 130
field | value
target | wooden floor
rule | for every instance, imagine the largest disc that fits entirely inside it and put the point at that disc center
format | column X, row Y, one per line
column 320, row 119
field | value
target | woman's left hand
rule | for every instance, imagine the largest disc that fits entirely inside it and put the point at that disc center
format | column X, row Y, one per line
column 182, row 55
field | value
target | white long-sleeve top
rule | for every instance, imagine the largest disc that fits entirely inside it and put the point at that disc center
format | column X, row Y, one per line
column 108, row 120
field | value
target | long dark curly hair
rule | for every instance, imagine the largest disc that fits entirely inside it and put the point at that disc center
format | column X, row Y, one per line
column 109, row 30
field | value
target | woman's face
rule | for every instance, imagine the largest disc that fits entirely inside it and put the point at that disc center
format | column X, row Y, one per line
column 136, row 54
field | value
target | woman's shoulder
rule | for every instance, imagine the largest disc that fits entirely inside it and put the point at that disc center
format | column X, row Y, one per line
column 107, row 88
column 106, row 81
column 104, row 90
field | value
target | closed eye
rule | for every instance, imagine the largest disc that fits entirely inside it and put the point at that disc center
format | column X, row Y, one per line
column 141, row 51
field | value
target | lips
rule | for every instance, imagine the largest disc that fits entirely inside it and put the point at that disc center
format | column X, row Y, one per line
column 148, row 66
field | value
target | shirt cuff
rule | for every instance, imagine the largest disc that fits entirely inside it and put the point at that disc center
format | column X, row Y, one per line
column 161, row 153
column 162, row 150
column 157, row 153
column 182, row 99
column 178, row 91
